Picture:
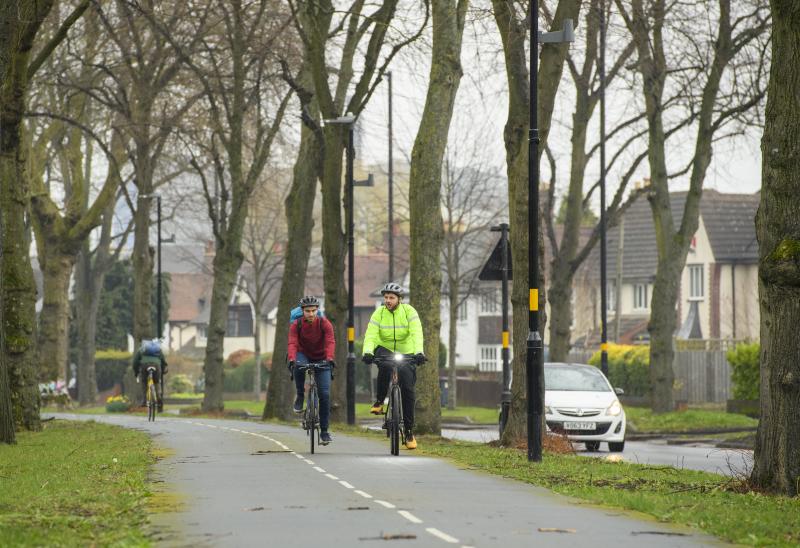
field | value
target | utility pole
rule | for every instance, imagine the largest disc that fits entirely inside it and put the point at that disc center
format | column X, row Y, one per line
column 159, row 324
column 505, row 402
column 603, row 252
column 391, row 183
column 534, row 357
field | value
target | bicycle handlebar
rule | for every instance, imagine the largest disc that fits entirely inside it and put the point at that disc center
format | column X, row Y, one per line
column 313, row 365
column 407, row 359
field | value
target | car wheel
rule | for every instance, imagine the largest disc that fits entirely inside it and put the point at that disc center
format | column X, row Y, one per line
column 592, row 446
column 616, row 446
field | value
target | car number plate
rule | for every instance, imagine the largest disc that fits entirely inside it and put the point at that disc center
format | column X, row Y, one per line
column 580, row 426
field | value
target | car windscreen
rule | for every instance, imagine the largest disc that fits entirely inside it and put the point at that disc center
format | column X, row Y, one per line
column 586, row 379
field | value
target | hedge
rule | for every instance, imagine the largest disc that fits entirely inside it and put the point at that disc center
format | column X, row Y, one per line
column 240, row 378
column 628, row 368
column 746, row 376
column 110, row 366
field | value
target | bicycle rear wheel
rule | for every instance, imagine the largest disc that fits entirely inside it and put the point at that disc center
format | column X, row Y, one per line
column 394, row 421
column 312, row 419
column 151, row 402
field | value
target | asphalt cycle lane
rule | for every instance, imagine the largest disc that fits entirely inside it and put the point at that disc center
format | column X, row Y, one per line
column 241, row 483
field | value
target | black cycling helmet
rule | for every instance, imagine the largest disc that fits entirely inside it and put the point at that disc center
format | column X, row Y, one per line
column 392, row 287
column 309, row 300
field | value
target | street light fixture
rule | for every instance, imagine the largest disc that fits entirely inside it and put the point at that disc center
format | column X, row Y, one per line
column 534, row 363
column 349, row 122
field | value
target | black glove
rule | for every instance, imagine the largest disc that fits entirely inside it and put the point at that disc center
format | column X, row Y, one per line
column 332, row 365
column 367, row 358
column 290, row 365
column 420, row 358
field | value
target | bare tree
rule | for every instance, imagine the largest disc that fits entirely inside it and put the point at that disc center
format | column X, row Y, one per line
column 473, row 199
column 242, row 109
column 510, row 18
column 714, row 54
column 325, row 30
column 777, row 451
column 264, row 234
column 19, row 60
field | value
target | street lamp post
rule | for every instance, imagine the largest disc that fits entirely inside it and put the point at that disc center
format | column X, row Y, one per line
column 603, row 276
column 505, row 402
column 350, row 378
column 391, row 185
column 159, row 324
column 534, row 357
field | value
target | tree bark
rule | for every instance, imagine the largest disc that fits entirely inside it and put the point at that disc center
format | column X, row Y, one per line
column 425, row 188
column 513, row 33
column 298, row 249
column 452, row 339
column 777, row 451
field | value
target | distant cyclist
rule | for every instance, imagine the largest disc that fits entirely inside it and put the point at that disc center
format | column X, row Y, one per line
column 150, row 354
column 393, row 328
column 311, row 339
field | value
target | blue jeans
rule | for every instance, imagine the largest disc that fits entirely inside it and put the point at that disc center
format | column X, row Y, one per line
column 323, row 379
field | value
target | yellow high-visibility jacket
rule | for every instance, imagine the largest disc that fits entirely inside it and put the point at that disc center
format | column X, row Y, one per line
column 399, row 330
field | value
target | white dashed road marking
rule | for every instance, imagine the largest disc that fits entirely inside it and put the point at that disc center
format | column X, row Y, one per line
column 345, row 484
column 385, row 504
column 409, row 516
column 444, row 536
column 331, row 476
column 363, row 494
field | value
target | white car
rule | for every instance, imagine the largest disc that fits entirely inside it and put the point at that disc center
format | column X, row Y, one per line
column 581, row 403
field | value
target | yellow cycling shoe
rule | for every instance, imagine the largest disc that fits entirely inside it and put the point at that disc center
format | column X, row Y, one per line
column 411, row 442
column 377, row 409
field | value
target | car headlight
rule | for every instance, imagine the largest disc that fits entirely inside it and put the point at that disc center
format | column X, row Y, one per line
column 614, row 409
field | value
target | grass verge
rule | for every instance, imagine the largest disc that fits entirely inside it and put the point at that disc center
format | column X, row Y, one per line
column 719, row 506
column 74, row 484
column 692, row 420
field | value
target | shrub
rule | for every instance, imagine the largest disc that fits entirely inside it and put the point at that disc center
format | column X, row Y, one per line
column 240, row 379
column 179, row 383
column 237, row 358
column 110, row 366
column 628, row 368
column 746, row 375
column 118, row 404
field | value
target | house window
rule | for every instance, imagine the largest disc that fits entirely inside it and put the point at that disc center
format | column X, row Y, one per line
column 489, row 303
column 489, row 358
column 202, row 331
column 463, row 309
column 611, row 297
column 696, row 285
column 240, row 321
column 640, row 301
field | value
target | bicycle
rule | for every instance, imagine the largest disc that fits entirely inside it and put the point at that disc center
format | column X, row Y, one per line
column 152, row 398
column 311, row 414
column 393, row 417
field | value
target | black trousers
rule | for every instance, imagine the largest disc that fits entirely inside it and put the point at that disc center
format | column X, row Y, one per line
column 407, row 377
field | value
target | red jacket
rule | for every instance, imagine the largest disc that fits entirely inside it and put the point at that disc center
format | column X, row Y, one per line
column 315, row 339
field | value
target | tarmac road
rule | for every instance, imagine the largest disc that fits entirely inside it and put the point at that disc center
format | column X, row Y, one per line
column 244, row 483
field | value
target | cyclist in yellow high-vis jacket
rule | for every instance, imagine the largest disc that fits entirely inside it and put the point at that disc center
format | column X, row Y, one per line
column 393, row 328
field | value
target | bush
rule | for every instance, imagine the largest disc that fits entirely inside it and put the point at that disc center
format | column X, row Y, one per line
column 110, row 366
column 746, row 375
column 240, row 379
column 628, row 368
column 179, row 383
column 118, row 404
column 238, row 357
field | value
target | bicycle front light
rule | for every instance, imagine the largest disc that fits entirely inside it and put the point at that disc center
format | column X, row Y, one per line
column 398, row 357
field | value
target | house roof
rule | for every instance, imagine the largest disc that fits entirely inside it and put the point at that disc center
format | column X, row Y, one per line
column 187, row 293
column 186, row 258
column 729, row 223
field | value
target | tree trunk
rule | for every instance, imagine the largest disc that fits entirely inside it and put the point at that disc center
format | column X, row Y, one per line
column 425, row 188
column 142, row 259
column 88, row 286
column 298, row 248
column 513, row 33
column 334, row 251
column 54, row 317
column 777, row 451
column 18, row 288
column 257, row 367
column 227, row 262
column 452, row 339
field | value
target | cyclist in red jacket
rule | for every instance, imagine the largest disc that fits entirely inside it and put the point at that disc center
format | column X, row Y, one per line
column 311, row 338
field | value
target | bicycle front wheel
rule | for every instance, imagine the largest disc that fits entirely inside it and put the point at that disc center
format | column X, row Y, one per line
column 313, row 421
column 394, row 421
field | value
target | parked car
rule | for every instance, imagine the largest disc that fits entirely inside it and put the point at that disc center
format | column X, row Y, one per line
column 581, row 403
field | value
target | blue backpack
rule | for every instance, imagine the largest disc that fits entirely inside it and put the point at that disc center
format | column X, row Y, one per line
column 151, row 348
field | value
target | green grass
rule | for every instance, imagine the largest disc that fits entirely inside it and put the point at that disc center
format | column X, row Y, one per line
column 74, row 484
column 700, row 500
column 643, row 420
